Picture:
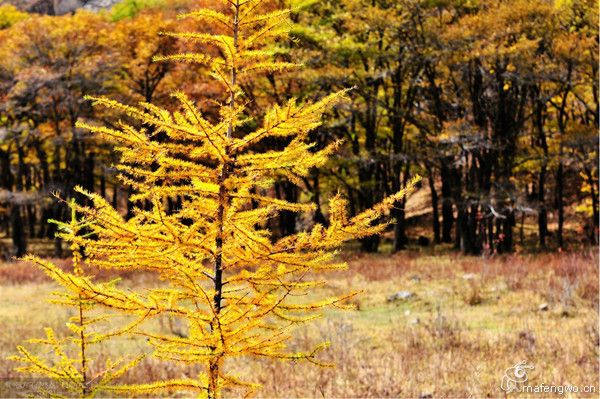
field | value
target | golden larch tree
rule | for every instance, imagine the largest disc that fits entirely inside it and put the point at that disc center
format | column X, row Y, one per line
column 235, row 287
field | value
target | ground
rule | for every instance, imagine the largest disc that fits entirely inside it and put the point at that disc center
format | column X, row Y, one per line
column 427, row 324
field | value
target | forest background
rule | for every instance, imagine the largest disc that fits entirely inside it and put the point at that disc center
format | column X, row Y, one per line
column 494, row 104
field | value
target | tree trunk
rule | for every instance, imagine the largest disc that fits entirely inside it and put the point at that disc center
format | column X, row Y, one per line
column 43, row 157
column 102, row 185
column 287, row 219
column 130, row 203
column 316, row 191
column 542, row 211
column 540, row 108
column 223, row 199
column 447, row 212
column 31, row 219
column 594, row 198
column 434, row 206
column 115, row 196
column 559, row 201
column 88, row 172
column 399, row 214
column 18, row 231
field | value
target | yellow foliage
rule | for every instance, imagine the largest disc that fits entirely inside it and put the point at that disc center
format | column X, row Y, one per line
column 238, row 290
column 73, row 373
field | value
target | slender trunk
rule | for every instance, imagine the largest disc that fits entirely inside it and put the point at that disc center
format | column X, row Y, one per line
column 22, row 182
column 559, row 201
column 6, row 176
column 115, row 196
column 318, row 217
column 18, row 231
column 399, row 214
column 31, row 219
column 447, row 212
column 102, row 185
column 287, row 219
column 460, row 213
column 594, row 198
column 542, row 211
column 130, row 203
column 170, row 206
column 539, row 110
column 18, row 228
column 594, row 215
column 434, row 206
column 84, row 366
column 59, row 214
column 368, row 173
column 88, row 173
column 562, row 127
column 522, row 229
column 223, row 200
column 58, row 249
column 461, row 229
column 43, row 157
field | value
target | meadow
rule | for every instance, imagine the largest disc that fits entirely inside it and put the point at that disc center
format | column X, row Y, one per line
column 426, row 324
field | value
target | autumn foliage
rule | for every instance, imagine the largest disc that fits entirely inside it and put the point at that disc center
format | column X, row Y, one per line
column 236, row 287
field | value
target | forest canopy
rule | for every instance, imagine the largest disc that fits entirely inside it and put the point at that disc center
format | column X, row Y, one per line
column 493, row 103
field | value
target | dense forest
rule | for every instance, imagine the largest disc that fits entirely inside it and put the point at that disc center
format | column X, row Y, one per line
column 493, row 103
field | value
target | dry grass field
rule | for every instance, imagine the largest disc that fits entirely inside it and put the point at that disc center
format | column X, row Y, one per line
column 425, row 325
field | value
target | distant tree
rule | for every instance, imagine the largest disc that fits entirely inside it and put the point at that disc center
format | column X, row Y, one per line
column 53, row 62
column 368, row 45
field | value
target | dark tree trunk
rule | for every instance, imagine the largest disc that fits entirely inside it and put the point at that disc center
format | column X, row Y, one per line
column 369, row 191
column 170, row 206
column 60, row 213
column 562, row 127
column 559, row 202
column 115, row 196
column 58, row 249
column 447, row 212
column 18, row 231
column 594, row 237
column 17, row 225
column 6, row 182
column 540, row 108
column 43, row 157
column 542, row 210
column 88, row 173
column 460, row 235
column 31, row 219
column 434, row 206
column 400, row 239
column 103, row 185
column 44, row 228
column 507, row 231
column 370, row 244
column 6, row 176
column 287, row 219
column 399, row 214
column 56, row 160
column 318, row 217
column 130, row 203
column 594, row 197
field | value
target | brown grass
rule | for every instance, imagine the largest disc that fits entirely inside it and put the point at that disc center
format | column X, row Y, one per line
column 18, row 273
column 469, row 320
